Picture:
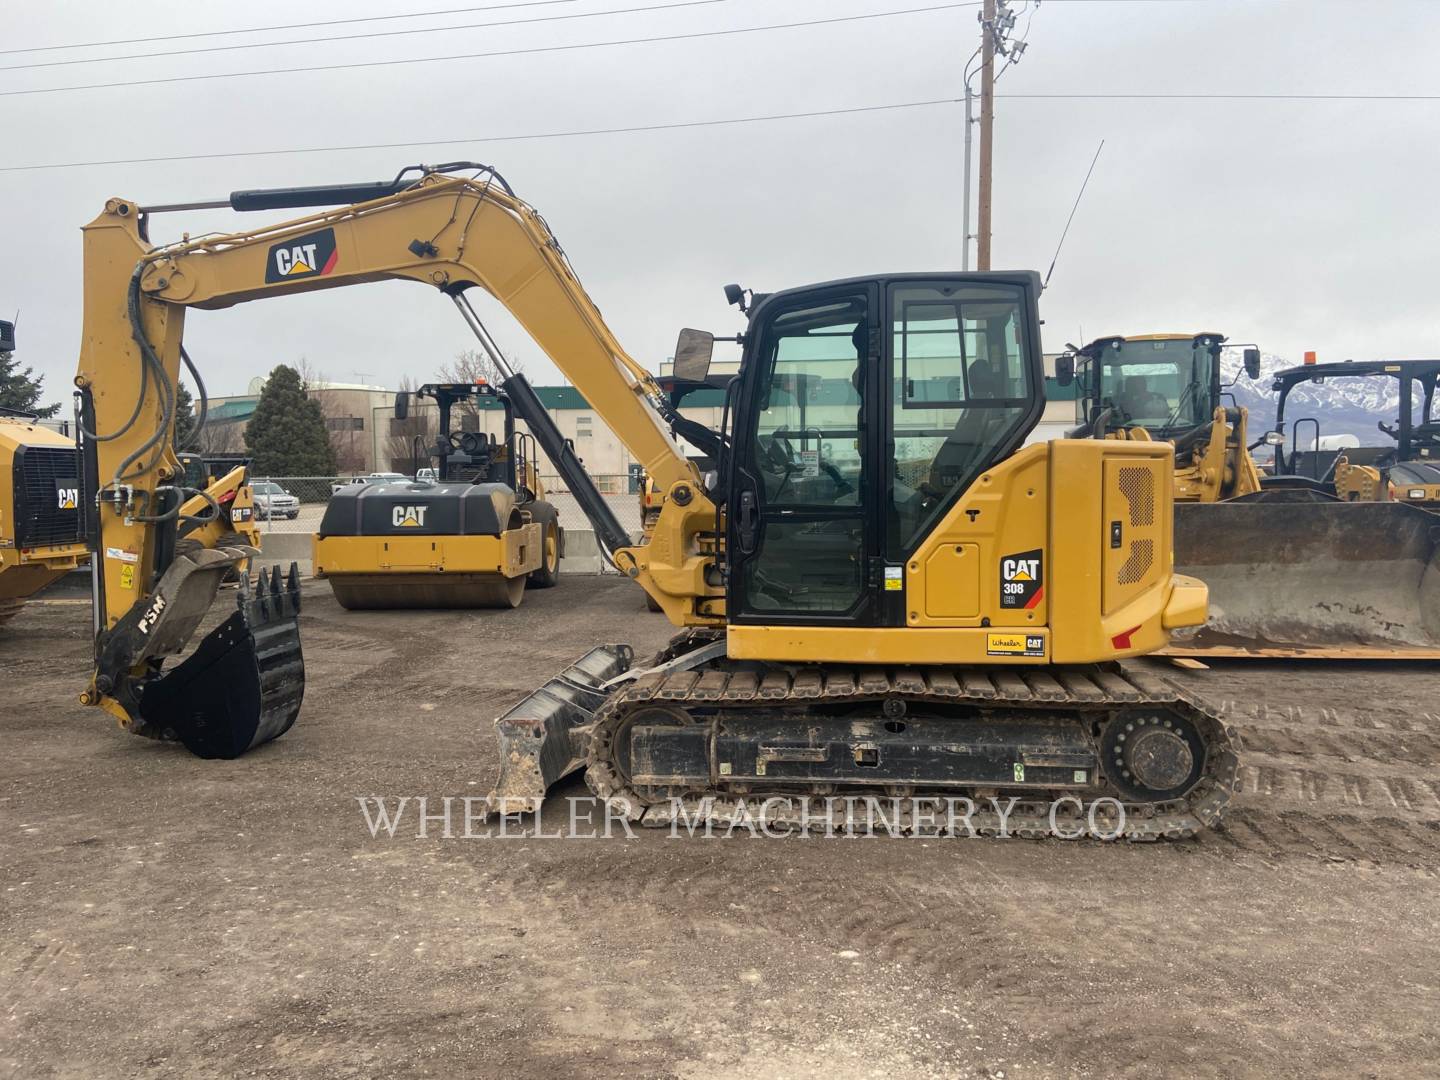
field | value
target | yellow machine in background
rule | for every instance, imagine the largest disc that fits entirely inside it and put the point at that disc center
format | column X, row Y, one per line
column 1401, row 465
column 846, row 631
column 40, row 517
column 41, row 526
column 474, row 536
column 1293, row 570
column 1168, row 387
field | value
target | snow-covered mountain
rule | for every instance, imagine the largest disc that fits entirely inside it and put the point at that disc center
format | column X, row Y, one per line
column 1344, row 405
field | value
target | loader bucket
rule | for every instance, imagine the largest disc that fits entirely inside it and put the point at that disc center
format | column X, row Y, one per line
column 243, row 684
column 545, row 737
column 1324, row 579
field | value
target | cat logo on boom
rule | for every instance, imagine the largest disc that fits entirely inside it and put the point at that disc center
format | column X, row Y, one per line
column 408, row 517
column 1022, row 579
column 311, row 255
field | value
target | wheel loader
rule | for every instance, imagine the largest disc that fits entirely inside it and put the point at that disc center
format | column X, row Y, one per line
column 955, row 632
column 472, row 536
column 1293, row 571
column 41, row 537
column 1167, row 386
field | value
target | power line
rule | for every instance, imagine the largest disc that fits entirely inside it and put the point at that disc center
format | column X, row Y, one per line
column 375, row 18
column 499, row 52
column 679, row 125
column 850, row 111
column 1228, row 97
column 285, row 26
column 365, row 36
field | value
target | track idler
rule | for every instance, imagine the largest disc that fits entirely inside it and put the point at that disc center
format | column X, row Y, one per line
column 243, row 685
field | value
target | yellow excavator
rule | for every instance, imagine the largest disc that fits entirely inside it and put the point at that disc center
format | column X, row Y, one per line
column 40, row 527
column 1294, row 570
column 844, row 631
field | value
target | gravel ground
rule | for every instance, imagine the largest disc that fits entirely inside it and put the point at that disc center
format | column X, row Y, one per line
column 166, row 916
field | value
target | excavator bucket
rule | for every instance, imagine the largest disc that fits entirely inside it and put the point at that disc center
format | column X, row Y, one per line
column 545, row 737
column 1321, row 579
column 243, row 684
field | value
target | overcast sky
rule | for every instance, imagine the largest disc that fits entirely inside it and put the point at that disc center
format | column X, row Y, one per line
column 1295, row 224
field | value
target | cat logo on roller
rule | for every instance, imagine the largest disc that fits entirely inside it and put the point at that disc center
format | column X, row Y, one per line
column 311, row 255
column 408, row 517
column 1022, row 579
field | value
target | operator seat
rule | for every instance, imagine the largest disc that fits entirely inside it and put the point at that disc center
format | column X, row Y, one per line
column 975, row 432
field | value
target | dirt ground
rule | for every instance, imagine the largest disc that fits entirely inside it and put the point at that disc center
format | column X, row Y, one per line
column 166, row 916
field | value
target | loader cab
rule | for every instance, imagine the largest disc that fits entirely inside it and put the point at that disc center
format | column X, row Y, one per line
column 1168, row 384
column 863, row 409
column 1313, row 430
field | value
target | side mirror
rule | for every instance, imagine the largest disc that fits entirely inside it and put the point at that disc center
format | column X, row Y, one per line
column 1274, row 438
column 402, row 405
column 1065, row 369
column 1252, row 363
column 692, row 355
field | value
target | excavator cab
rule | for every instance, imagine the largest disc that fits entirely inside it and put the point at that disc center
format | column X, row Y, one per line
column 864, row 408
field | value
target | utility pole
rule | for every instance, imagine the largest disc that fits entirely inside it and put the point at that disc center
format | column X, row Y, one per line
column 987, row 133
column 969, row 128
column 996, row 23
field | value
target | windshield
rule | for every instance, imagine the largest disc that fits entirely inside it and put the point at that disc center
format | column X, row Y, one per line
column 1159, row 385
column 268, row 489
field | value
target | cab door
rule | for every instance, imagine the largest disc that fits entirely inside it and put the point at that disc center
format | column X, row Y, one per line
column 802, row 533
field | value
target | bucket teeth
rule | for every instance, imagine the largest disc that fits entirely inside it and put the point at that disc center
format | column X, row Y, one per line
column 244, row 683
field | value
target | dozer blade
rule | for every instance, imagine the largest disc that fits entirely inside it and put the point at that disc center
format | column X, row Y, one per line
column 1326, row 580
column 545, row 737
column 244, row 683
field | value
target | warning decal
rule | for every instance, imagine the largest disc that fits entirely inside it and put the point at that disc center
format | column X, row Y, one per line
column 1022, row 579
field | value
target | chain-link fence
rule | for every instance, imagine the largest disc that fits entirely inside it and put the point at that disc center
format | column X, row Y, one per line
column 295, row 504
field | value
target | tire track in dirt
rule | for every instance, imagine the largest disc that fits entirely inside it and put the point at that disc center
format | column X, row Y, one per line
column 1340, row 785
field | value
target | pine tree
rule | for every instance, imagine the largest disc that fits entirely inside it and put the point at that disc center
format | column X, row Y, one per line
column 287, row 435
column 20, row 390
column 185, row 418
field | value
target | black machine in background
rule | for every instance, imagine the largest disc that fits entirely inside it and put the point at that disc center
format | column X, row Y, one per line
column 475, row 457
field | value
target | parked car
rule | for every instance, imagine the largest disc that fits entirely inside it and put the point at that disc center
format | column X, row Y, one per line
column 373, row 478
column 427, row 475
column 272, row 501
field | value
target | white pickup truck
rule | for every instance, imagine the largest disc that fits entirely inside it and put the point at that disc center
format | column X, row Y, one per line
column 373, row 478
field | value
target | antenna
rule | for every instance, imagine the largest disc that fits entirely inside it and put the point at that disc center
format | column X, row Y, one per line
column 1066, row 231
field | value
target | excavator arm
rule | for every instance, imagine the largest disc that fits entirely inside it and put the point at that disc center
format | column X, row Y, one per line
column 449, row 232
